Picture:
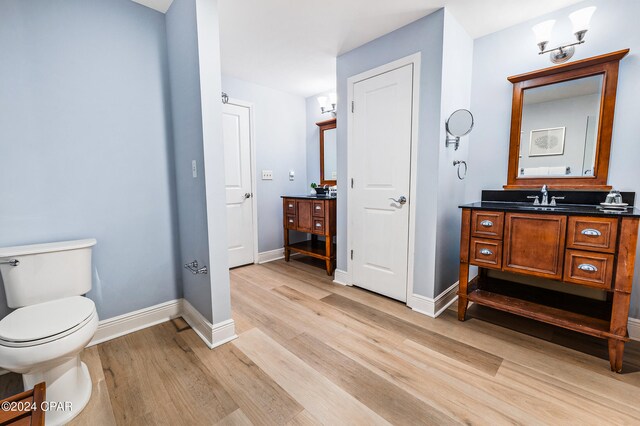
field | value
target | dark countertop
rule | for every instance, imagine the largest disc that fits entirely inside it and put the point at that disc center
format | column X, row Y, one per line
column 311, row 197
column 574, row 209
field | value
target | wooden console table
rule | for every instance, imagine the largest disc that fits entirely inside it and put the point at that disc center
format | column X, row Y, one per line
column 314, row 215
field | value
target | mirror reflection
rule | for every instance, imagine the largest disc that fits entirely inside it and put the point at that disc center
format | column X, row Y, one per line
column 330, row 155
column 559, row 128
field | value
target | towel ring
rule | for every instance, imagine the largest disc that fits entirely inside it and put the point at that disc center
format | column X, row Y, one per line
column 458, row 163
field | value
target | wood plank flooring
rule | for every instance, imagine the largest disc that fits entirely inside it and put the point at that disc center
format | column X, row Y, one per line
column 311, row 352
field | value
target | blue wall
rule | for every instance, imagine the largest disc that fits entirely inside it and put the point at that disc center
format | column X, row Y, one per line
column 85, row 142
column 514, row 51
column 182, row 44
column 279, row 146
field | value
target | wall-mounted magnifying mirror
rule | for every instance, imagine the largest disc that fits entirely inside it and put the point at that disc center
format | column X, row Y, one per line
column 459, row 123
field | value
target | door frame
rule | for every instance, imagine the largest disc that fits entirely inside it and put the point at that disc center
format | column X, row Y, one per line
column 415, row 60
column 254, row 185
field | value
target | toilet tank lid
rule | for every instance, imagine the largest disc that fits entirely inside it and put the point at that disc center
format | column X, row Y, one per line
column 46, row 248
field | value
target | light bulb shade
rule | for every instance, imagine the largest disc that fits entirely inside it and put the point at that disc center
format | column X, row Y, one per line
column 322, row 100
column 333, row 99
column 580, row 19
column 543, row 31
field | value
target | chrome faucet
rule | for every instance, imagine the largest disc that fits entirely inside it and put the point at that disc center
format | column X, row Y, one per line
column 545, row 198
column 545, row 195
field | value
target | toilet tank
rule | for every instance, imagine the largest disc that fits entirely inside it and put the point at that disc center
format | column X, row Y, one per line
column 46, row 271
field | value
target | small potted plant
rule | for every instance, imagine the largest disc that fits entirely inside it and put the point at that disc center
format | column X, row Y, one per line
column 318, row 189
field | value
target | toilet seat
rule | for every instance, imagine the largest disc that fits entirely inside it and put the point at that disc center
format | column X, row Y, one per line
column 45, row 322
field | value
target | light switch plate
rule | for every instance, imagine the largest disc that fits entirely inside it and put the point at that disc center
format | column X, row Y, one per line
column 267, row 175
column 194, row 169
column 292, row 174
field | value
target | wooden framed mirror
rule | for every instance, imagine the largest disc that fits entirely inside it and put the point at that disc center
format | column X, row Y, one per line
column 328, row 152
column 561, row 124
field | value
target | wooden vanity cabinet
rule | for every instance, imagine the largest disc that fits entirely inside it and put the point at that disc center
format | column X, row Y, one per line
column 592, row 251
column 314, row 216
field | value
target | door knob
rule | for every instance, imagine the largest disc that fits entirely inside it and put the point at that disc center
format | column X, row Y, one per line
column 401, row 200
column 247, row 195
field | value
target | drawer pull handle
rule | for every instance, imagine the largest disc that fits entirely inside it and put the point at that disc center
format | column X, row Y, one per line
column 318, row 225
column 587, row 267
column 290, row 206
column 318, row 207
column 486, row 252
column 290, row 220
column 591, row 232
column 486, row 223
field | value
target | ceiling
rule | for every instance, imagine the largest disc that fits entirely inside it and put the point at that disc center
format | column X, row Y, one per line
column 292, row 45
column 159, row 5
column 567, row 89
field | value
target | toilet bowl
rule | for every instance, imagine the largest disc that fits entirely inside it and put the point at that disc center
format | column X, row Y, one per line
column 42, row 338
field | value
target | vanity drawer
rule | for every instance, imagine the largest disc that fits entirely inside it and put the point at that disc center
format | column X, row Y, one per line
column 318, row 208
column 487, row 224
column 486, row 253
column 289, row 206
column 290, row 221
column 593, row 233
column 590, row 269
column 318, row 226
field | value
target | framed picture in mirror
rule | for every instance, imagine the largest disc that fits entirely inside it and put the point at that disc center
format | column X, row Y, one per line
column 546, row 142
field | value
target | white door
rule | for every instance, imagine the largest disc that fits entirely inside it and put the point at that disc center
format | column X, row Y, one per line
column 237, row 162
column 380, row 162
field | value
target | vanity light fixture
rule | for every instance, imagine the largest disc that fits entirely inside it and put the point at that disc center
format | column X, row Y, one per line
column 580, row 20
column 328, row 104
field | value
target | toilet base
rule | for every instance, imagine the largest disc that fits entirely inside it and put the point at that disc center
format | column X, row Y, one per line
column 68, row 390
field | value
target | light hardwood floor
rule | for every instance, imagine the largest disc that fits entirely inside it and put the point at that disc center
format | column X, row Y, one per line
column 312, row 352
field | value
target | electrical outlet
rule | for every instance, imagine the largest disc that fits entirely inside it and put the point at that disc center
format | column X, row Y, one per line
column 267, row 175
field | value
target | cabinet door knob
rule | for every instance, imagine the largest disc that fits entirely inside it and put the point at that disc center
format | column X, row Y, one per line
column 318, row 207
column 290, row 220
column 591, row 232
column 486, row 252
column 318, row 225
column 290, row 206
column 587, row 267
column 486, row 223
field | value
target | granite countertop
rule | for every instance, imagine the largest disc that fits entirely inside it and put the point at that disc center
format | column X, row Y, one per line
column 575, row 209
column 312, row 197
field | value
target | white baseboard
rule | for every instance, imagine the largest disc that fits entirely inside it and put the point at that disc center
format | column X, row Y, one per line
column 212, row 334
column 137, row 320
column 434, row 307
column 342, row 277
column 271, row 255
column 634, row 328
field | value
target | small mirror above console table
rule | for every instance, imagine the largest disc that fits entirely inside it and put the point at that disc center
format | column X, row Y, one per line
column 328, row 152
column 548, row 247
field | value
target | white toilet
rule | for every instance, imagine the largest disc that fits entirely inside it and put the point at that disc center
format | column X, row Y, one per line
column 42, row 339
